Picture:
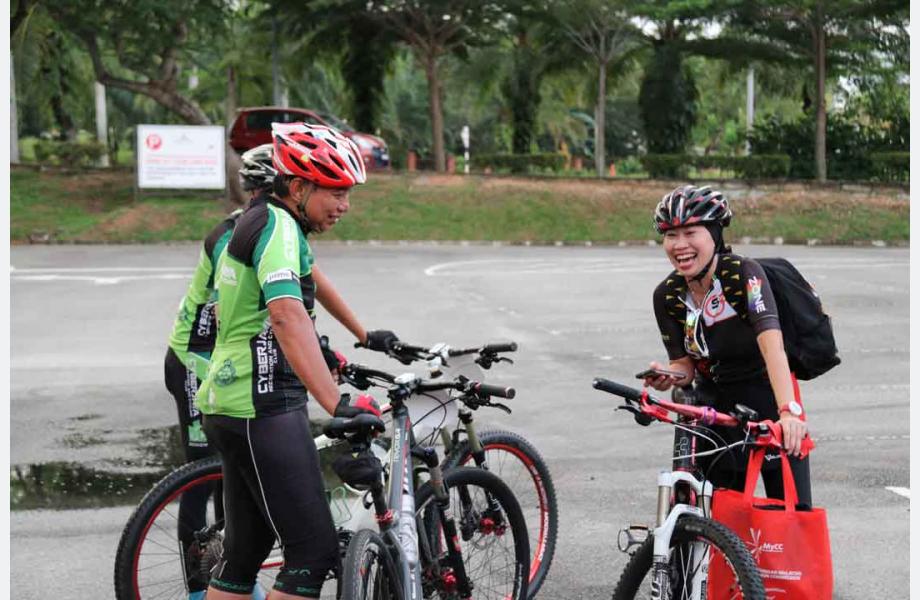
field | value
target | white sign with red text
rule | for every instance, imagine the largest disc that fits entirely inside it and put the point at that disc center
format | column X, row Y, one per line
column 181, row 157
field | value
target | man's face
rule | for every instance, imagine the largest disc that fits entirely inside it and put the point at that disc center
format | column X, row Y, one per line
column 325, row 206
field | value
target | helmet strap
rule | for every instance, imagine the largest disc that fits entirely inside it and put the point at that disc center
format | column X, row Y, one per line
column 302, row 208
column 705, row 270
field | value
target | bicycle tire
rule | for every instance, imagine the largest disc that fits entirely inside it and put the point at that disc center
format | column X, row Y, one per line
column 169, row 572
column 690, row 528
column 533, row 489
column 133, row 536
column 512, row 583
column 368, row 572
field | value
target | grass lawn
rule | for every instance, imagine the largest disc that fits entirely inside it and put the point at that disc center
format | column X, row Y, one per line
column 99, row 206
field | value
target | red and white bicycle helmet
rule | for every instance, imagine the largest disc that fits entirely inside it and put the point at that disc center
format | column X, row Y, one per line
column 319, row 154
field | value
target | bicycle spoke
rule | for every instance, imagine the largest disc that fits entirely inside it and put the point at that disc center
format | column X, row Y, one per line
column 168, row 562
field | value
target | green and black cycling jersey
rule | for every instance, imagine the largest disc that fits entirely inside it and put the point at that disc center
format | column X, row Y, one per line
column 267, row 258
column 195, row 328
column 721, row 335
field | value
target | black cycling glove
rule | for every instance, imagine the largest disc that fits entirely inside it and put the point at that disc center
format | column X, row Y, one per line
column 380, row 340
column 334, row 360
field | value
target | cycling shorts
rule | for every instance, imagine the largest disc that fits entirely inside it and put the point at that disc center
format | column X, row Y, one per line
column 273, row 489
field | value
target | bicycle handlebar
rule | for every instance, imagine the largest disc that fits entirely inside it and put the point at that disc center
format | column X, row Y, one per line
column 617, row 389
column 410, row 351
column 359, row 376
column 768, row 433
column 484, row 389
column 487, row 349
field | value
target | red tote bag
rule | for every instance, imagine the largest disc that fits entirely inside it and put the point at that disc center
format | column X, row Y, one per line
column 791, row 547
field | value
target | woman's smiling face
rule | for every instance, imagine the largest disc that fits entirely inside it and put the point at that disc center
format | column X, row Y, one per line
column 689, row 249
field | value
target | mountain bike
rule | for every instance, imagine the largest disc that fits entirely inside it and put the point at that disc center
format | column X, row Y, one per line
column 460, row 532
column 509, row 455
column 671, row 560
column 164, row 553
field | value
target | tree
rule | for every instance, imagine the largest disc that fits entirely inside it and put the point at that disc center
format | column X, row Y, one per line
column 602, row 31
column 537, row 48
column 434, row 29
column 823, row 33
column 140, row 46
column 362, row 50
column 57, row 71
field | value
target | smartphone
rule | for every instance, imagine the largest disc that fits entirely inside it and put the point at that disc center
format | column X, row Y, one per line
column 659, row 373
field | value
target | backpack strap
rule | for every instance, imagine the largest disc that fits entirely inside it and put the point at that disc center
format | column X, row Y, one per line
column 675, row 288
column 729, row 274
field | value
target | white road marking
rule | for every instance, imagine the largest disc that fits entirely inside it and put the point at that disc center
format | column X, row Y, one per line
column 545, row 266
column 104, row 269
column 900, row 491
column 99, row 280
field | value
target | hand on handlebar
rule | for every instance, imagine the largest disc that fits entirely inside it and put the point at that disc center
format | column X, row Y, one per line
column 794, row 431
column 380, row 340
column 334, row 360
column 365, row 403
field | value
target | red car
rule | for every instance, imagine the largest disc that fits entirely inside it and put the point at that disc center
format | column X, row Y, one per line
column 253, row 127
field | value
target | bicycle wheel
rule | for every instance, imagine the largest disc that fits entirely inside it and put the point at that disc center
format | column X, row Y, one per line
column 368, row 572
column 693, row 539
column 167, row 548
column 521, row 467
column 492, row 537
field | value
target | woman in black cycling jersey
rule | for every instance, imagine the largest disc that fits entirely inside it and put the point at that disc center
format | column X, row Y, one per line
column 719, row 324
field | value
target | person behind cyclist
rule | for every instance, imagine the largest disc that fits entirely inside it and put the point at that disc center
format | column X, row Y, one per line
column 730, row 359
column 266, row 357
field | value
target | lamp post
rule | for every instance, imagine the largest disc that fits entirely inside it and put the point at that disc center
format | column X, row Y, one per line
column 465, row 137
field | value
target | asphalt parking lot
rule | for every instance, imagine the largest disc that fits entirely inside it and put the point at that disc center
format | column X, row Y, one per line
column 89, row 327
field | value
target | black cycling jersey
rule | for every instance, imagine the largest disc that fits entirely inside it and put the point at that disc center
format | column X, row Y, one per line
column 721, row 338
column 722, row 342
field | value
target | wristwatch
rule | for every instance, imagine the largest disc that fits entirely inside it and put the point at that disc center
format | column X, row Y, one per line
column 793, row 408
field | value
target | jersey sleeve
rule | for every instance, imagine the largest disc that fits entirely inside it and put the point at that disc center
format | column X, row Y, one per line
column 672, row 333
column 761, row 305
column 277, row 258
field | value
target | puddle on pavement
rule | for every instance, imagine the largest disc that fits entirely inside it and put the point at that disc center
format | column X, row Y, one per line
column 117, row 481
column 111, row 482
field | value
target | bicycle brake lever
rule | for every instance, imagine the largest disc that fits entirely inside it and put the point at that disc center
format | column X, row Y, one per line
column 640, row 417
column 505, row 359
column 500, row 406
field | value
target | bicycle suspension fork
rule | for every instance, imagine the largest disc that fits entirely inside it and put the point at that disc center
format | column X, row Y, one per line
column 456, row 577
column 478, row 453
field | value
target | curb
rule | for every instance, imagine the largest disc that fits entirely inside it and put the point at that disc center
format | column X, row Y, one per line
column 746, row 241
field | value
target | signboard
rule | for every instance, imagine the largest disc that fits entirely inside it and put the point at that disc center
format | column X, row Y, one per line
column 181, row 157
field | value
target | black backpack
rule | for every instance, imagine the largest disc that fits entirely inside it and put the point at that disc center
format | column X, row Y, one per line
column 807, row 333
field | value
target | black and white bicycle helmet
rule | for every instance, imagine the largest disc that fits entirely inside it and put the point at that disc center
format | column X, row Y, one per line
column 257, row 171
column 689, row 205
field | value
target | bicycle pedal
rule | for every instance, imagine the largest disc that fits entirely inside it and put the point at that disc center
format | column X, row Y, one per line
column 630, row 536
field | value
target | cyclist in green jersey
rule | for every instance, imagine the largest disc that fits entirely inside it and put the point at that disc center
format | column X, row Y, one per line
column 191, row 342
column 195, row 328
column 266, row 358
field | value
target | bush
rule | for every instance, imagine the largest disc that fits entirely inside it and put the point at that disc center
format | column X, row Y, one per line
column 850, row 144
column 630, row 165
column 69, row 154
column 519, row 163
column 891, row 166
column 762, row 166
column 670, row 166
